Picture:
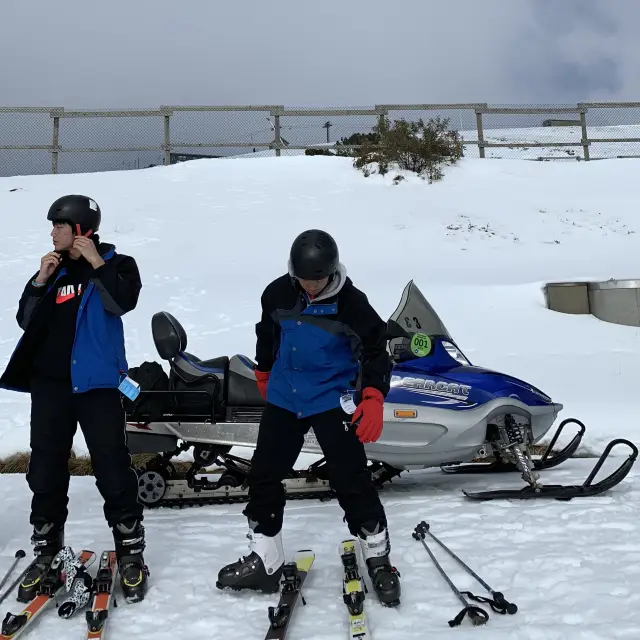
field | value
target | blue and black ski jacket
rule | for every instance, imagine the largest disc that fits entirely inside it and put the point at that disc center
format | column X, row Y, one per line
column 315, row 350
column 98, row 358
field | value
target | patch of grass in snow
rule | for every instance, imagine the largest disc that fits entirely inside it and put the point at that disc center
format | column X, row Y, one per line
column 78, row 465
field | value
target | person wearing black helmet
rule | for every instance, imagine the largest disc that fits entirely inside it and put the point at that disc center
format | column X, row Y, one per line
column 321, row 362
column 71, row 359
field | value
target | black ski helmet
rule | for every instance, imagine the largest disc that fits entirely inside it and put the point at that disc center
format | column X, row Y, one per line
column 76, row 210
column 314, row 255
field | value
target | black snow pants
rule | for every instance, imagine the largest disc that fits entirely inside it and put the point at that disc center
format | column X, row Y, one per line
column 280, row 439
column 55, row 413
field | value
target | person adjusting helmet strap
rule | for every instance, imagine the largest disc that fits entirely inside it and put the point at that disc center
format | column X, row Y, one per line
column 72, row 361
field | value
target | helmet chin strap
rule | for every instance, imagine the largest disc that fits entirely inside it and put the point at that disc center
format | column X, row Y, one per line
column 79, row 232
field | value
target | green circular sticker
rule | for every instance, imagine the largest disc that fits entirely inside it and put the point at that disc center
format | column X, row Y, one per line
column 421, row 345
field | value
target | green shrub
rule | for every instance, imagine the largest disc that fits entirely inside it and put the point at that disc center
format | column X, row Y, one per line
column 410, row 146
column 356, row 139
column 318, row 152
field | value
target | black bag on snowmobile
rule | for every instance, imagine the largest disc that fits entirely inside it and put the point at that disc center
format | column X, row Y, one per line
column 148, row 407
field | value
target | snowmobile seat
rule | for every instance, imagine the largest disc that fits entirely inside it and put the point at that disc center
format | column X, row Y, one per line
column 168, row 334
column 188, row 372
column 170, row 339
column 242, row 388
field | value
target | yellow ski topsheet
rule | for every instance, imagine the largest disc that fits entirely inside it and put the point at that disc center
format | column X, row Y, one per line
column 357, row 623
column 304, row 559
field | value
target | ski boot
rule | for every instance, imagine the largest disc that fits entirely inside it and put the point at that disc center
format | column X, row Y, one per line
column 384, row 577
column 47, row 540
column 133, row 572
column 260, row 570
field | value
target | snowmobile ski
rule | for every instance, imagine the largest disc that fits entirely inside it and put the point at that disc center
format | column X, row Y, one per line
column 51, row 585
column 568, row 492
column 353, row 591
column 540, row 464
column 293, row 576
column 102, row 591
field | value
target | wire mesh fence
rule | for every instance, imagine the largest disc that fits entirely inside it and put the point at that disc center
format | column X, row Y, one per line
column 57, row 140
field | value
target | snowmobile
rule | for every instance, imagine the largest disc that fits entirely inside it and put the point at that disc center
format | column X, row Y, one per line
column 441, row 411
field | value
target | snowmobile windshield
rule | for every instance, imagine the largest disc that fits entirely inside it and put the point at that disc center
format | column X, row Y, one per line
column 413, row 325
column 415, row 315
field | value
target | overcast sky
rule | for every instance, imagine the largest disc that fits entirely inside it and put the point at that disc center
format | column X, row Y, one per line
column 74, row 53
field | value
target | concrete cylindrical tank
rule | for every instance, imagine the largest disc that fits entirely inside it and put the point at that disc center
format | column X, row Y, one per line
column 568, row 297
column 616, row 301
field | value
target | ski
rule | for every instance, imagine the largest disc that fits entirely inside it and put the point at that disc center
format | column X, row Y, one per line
column 353, row 591
column 51, row 584
column 103, row 585
column 293, row 576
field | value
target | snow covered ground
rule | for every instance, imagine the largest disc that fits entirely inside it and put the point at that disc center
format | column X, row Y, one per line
column 529, row 135
column 572, row 568
column 209, row 235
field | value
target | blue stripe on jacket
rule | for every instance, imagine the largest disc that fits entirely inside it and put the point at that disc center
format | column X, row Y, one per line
column 316, row 361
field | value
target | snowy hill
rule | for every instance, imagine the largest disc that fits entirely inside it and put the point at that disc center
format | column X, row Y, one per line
column 209, row 235
column 529, row 135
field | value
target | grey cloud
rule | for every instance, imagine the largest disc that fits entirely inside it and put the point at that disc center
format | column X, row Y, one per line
column 556, row 18
column 338, row 52
column 576, row 50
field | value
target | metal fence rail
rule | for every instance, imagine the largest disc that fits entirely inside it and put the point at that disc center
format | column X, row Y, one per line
column 165, row 132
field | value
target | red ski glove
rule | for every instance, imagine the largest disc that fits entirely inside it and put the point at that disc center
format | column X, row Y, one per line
column 262, row 378
column 369, row 412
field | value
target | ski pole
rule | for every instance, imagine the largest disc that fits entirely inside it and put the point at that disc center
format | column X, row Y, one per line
column 17, row 581
column 499, row 604
column 477, row 615
column 19, row 554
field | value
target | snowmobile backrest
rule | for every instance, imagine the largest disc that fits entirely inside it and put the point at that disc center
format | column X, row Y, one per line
column 168, row 334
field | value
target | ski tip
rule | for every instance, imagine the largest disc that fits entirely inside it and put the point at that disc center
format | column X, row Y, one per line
column 348, row 541
column 304, row 558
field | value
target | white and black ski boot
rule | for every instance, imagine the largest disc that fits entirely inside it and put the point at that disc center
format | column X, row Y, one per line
column 385, row 578
column 47, row 540
column 260, row 570
column 133, row 572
